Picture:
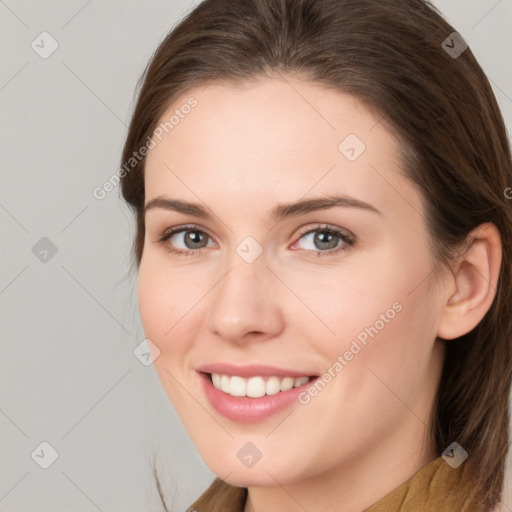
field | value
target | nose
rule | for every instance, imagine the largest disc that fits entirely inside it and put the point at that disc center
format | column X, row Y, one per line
column 244, row 305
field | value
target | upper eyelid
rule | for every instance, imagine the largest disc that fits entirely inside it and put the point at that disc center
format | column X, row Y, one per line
column 186, row 227
column 309, row 227
column 325, row 227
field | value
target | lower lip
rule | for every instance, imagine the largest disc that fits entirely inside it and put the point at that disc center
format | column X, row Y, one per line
column 246, row 409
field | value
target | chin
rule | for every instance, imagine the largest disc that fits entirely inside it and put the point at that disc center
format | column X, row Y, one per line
column 263, row 473
column 250, row 477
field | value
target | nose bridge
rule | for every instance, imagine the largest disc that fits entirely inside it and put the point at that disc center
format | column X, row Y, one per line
column 243, row 302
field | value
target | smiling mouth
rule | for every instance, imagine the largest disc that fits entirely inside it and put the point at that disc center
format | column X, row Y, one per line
column 256, row 387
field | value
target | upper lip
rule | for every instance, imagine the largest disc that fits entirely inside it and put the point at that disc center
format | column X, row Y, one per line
column 252, row 370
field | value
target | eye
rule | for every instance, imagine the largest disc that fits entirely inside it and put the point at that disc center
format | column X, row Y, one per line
column 184, row 239
column 321, row 241
column 325, row 239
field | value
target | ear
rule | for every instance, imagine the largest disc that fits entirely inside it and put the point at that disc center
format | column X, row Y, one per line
column 472, row 285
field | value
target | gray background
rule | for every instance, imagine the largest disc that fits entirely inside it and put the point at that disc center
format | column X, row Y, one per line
column 70, row 324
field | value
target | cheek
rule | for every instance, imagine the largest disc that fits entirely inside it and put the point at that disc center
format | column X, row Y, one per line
column 163, row 304
column 351, row 299
column 380, row 313
column 386, row 333
column 164, row 300
column 164, row 293
column 154, row 302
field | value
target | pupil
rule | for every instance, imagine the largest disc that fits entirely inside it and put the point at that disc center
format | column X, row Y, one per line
column 324, row 240
column 194, row 237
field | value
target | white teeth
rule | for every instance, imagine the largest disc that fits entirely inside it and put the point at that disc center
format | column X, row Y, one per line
column 255, row 387
column 287, row 383
column 273, row 386
column 301, row 381
column 237, row 386
column 224, row 383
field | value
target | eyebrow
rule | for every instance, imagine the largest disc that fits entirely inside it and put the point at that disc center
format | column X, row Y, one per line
column 279, row 213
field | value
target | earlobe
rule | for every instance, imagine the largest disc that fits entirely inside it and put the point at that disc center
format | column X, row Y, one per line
column 475, row 278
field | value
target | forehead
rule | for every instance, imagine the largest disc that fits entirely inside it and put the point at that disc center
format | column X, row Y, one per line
column 275, row 138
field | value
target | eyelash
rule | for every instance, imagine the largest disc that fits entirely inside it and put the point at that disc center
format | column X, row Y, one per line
column 324, row 228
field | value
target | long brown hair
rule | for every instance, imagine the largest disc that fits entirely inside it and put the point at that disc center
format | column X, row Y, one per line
column 390, row 55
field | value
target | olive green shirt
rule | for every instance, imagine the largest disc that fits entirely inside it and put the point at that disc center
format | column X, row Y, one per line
column 432, row 489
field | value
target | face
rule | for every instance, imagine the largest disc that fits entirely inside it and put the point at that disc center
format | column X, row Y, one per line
column 286, row 282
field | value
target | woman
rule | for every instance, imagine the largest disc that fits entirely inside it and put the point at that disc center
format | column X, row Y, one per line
column 323, row 245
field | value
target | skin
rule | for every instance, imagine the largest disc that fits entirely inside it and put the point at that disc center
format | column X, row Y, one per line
column 242, row 151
